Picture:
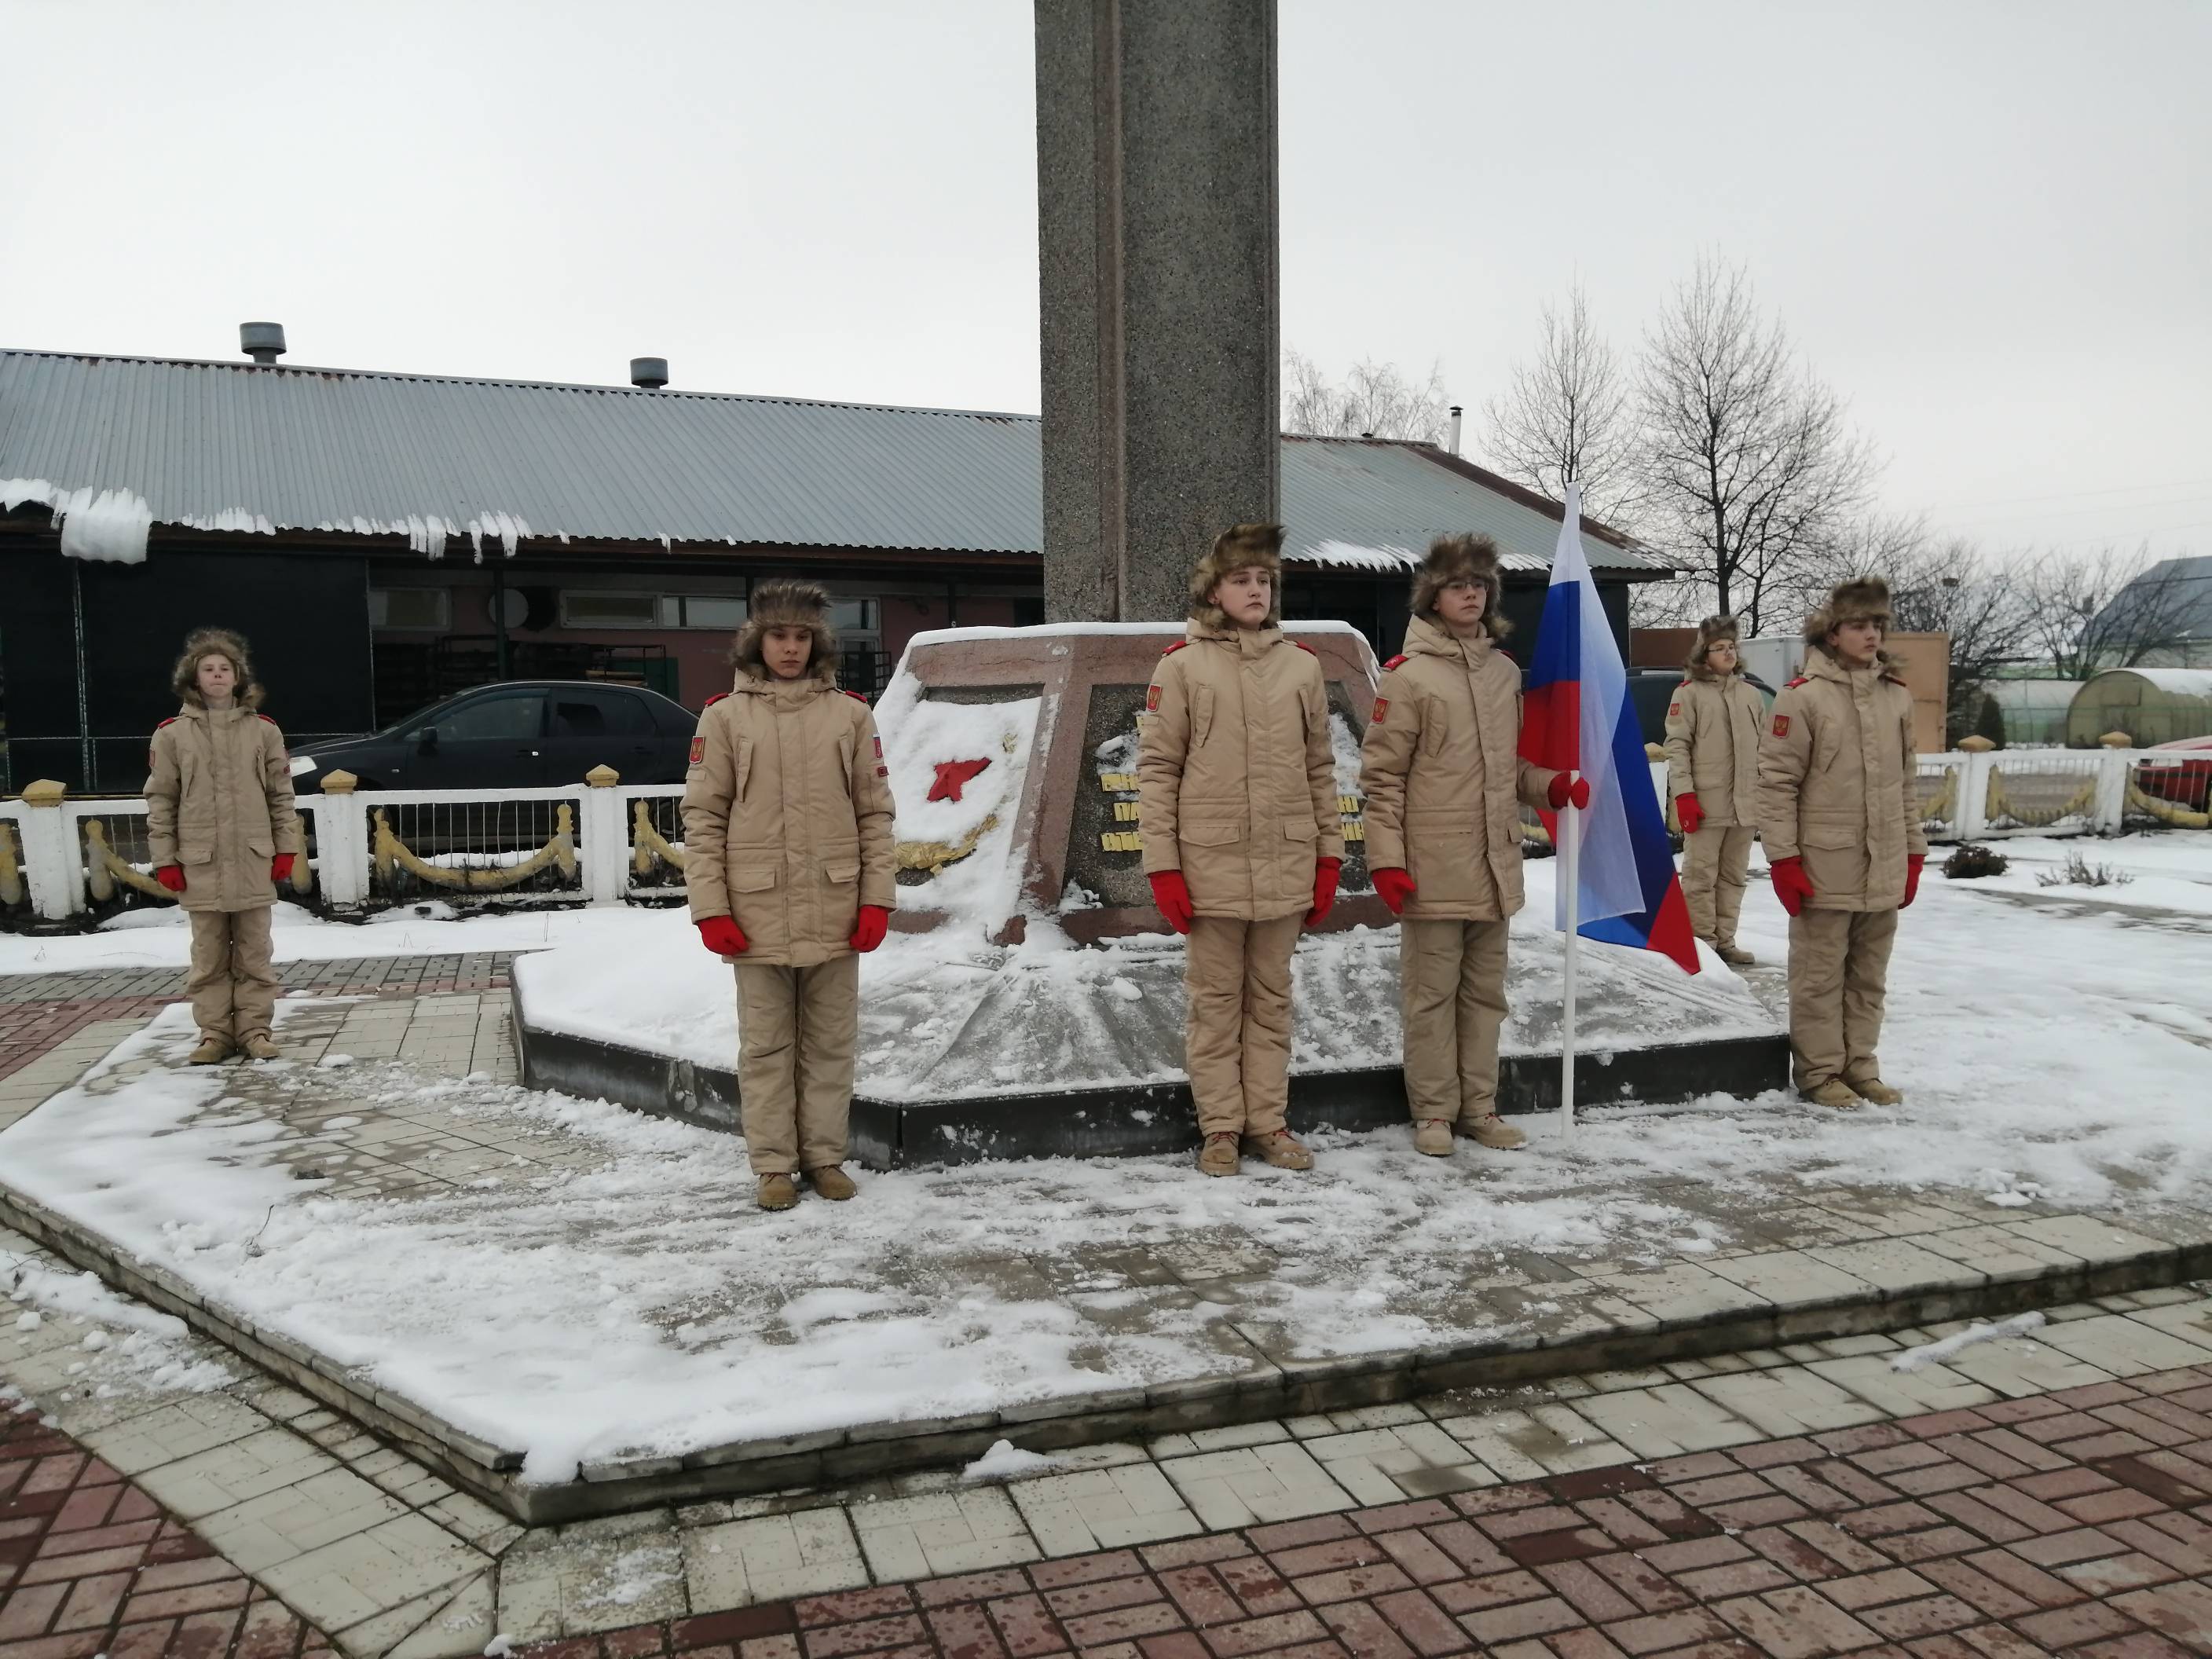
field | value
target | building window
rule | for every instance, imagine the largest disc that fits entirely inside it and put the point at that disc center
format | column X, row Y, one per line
column 430, row 608
column 711, row 610
column 581, row 608
column 854, row 616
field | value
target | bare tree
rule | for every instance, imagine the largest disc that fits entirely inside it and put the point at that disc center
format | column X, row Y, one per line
column 1564, row 415
column 1375, row 400
column 1748, row 465
column 2111, row 609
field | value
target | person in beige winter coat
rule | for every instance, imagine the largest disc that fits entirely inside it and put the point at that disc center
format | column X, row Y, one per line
column 222, row 833
column 1444, row 780
column 1840, row 813
column 1237, row 805
column 1714, row 723
column 789, row 867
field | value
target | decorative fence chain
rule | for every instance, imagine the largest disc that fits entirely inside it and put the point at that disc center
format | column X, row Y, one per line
column 649, row 844
column 1942, row 810
column 1999, row 807
column 393, row 854
column 11, row 868
column 2167, row 811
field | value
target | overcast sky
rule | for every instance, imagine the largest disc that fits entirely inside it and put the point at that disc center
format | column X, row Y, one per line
column 1989, row 224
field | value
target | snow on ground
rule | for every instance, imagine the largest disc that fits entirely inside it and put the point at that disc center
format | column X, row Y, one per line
column 638, row 1302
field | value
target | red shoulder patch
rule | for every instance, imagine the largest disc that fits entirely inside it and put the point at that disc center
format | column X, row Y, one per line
column 1176, row 647
column 1680, row 687
column 1793, row 684
column 258, row 715
column 172, row 720
column 1894, row 680
column 856, row 697
column 1395, row 662
column 712, row 701
column 1304, row 647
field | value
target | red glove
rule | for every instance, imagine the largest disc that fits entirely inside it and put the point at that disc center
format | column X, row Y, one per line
column 720, row 935
column 1912, row 863
column 1395, row 887
column 1173, row 898
column 1568, row 786
column 1688, row 813
column 171, row 876
column 868, row 932
column 280, row 868
column 1325, row 873
column 1790, row 885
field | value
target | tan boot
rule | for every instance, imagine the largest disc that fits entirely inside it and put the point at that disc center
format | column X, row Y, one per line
column 1494, row 1131
column 775, row 1191
column 1734, row 954
column 832, row 1182
column 1432, row 1136
column 1873, row 1088
column 258, row 1047
column 1218, row 1156
column 1834, row 1092
column 212, row 1051
column 1281, row 1150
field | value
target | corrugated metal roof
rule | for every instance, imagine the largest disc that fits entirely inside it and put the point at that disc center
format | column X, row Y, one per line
column 238, row 447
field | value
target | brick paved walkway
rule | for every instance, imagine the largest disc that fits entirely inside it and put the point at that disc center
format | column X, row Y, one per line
column 38, row 1011
column 2074, row 1521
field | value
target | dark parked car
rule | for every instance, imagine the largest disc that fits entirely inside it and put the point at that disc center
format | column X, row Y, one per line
column 521, row 735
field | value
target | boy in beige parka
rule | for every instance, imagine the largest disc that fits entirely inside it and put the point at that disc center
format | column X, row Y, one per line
column 789, row 867
column 1715, row 721
column 222, row 833
column 1243, row 840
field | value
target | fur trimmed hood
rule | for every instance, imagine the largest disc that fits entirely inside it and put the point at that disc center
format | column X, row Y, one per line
column 1862, row 598
column 1234, row 548
column 787, row 604
column 184, row 678
column 1713, row 631
column 1462, row 559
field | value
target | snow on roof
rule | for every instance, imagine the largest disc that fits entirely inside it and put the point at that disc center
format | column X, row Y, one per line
column 115, row 445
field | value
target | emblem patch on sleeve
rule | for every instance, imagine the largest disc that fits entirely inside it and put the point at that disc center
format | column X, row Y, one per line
column 1782, row 726
column 698, row 751
column 1673, row 708
column 1382, row 709
column 1152, row 700
column 879, row 747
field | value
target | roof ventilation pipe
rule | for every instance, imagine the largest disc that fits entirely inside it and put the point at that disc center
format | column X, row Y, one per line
column 648, row 373
column 1455, row 428
column 263, row 342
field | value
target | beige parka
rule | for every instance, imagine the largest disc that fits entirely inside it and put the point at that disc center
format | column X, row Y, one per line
column 1444, row 779
column 219, row 804
column 787, row 818
column 1837, row 783
column 1714, row 723
column 1236, row 777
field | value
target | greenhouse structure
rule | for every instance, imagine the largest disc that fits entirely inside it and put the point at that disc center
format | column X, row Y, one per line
column 2151, row 705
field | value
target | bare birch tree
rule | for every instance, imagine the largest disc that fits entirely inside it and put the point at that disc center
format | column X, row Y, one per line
column 2108, row 609
column 1375, row 400
column 1564, row 415
column 1748, row 463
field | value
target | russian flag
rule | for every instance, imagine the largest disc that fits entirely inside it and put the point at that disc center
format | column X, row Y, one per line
column 1576, row 717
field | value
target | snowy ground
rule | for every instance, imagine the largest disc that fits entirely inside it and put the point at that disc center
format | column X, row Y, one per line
column 579, row 1282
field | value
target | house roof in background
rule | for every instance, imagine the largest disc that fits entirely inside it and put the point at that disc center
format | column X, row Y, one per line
column 116, row 444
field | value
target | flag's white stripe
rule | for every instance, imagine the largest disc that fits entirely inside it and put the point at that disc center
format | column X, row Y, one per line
column 1609, row 884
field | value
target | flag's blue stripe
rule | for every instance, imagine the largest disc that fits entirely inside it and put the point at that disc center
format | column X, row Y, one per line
column 1558, row 637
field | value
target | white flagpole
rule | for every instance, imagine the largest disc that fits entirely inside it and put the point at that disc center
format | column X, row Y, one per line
column 1570, row 824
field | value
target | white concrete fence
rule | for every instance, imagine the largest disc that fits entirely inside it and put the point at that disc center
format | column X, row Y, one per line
column 65, row 861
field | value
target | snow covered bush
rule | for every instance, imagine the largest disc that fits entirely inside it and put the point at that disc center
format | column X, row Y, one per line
column 1971, row 861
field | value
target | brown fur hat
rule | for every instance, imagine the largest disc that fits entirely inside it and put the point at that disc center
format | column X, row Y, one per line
column 1863, row 599
column 1462, row 559
column 184, row 678
column 1234, row 548
column 787, row 604
column 1714, row 630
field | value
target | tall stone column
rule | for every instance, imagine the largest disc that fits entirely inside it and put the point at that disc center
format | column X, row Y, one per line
column 1161, row 338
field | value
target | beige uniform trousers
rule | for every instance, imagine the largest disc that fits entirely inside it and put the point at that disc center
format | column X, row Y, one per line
column 1237, row 1044
column 1839, row 973
column 1452, row 977
column 233, row 987
column 1715, row 865
column 797, row 1027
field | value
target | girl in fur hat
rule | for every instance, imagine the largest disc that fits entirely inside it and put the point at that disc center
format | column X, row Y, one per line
column 789, row 870
column 1441, row 769
column 1714, row 721
column 1243, row 838
column 222, row 830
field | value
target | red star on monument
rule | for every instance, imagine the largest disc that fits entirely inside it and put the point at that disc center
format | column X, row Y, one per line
column 952, row 776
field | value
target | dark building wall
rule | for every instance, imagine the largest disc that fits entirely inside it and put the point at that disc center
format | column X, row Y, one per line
column 81, row 711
